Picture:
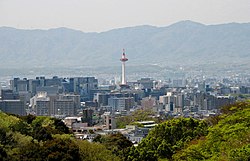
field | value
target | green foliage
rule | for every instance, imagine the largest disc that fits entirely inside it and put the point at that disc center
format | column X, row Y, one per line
column 138, row 115
column 241, row 96
column 44, row 138
column 3, row 154
column 45, row 127
column 29, row 118
column 117, row 143
column 40, row 128
column 137, row 124
column 229, row 139
column 169, row 137
column 42, row 121
column 98, row 138
column 95, row 152
column 31, row 151
column 213, row 120
column 22, row 127
column 241, row 154
column 60, row 127
column 64, row 136
column 61, row 149
column 31, row 138
column 7, row 120
column 42, row 133
column 51, row 150
column 6, row 138
column 230, row 109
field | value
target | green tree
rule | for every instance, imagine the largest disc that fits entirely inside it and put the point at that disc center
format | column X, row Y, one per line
column 117, row 143
column 60, row 127
column 241, row 154
column 6, row 138
column 3, row 154
column 42, row 133
column 169, row 137
column 31, row 151
column 22, row 127
column 95, row 152
column 61, row 149
column 29, row 118
column 228, row 138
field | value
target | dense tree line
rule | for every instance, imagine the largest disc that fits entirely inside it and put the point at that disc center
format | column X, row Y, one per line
column 32, row 138
column 228, row 138
column 222, row 137
column 118, row 144
column 167, row 138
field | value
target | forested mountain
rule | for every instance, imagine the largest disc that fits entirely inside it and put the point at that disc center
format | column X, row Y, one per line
column 185, row 42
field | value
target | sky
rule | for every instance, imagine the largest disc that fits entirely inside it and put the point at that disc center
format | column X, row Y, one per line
column 103, row 15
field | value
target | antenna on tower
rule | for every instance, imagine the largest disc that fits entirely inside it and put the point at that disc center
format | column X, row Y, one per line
column 123, row 51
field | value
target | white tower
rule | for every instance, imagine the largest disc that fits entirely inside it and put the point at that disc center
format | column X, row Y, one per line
column 123, row 60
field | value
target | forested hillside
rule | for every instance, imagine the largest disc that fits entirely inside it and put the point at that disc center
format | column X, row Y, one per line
column 223, row 137
column 43, row 138
column 227, row 139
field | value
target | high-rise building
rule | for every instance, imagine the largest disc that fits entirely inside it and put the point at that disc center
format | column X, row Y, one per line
column 18, row 85
column 55, row 81
column 51, row 105
column 83, row 86
column 74, row 97
column 102, row 99
column 42, row 108
column 109, row 120
column 13, row 106
column 11, row 103
column 88, row 116
column 170, row 102
column 146, row 83
column 179, row 100
column 8, row 94
column 64, row 107
column 121, row 104
column 40, row 103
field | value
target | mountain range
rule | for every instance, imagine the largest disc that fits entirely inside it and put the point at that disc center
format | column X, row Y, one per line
column 182, row 43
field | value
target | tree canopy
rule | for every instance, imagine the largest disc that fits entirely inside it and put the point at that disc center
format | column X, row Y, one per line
column 28, row 138
column 222, row 137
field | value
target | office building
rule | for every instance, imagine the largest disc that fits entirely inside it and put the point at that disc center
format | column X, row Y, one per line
column 13, row 106
column 121, row 104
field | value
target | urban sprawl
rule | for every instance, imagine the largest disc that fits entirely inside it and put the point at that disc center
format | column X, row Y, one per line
column 90, row 108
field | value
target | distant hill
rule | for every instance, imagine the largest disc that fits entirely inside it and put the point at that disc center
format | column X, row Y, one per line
column 183, row 42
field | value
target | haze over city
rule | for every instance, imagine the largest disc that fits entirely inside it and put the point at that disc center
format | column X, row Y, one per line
column 103, row 15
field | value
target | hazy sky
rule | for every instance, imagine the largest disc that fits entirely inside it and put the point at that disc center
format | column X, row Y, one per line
column 102, row 15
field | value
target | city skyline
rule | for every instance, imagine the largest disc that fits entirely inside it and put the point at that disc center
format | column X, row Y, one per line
column 98, row 16
column 68, row 91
